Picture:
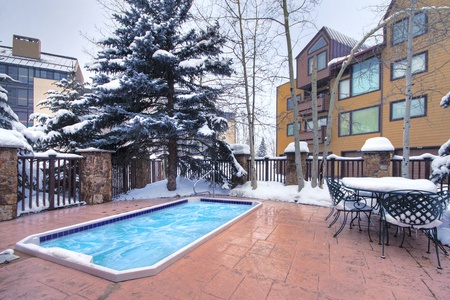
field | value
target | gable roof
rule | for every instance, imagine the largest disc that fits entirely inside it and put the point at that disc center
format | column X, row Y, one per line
column 341, row 44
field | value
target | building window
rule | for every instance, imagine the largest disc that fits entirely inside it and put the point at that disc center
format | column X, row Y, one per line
column 317, row 45
column 418, row 108
column 290, row 129
column 366, row 76
column 321, row 62
column 22, row 97
column 400, row 29
column 419, row 64
column 13, row 72
column 359, row 121
column 23, row 75
column 290, row 103
column 322, row 122
column 344, row 88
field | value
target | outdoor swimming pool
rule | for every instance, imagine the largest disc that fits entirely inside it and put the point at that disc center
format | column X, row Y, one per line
column 139, row 243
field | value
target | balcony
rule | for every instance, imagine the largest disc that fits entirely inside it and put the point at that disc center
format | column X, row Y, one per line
column 305, row 106
column 307, row 136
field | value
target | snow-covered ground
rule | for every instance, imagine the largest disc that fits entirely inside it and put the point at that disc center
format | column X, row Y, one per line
column 266, row 191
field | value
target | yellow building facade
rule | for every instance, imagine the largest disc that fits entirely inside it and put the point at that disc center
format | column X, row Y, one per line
column 371, row 96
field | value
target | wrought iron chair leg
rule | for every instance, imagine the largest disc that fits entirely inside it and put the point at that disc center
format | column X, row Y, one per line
column 368, row 226
column 383, row 236
column 336, row 217
column 403, row 238
column 353, row 219
column 435, row 240
column 329, row 215
column 441, row 246
column 342, row 225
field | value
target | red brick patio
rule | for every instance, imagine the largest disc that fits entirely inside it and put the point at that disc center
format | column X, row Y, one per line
column 281, row 251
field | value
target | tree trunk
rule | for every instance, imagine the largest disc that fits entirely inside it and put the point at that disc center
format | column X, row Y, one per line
column 172, row 146
column 408, row 93
column 172, row 164
column 298, row 163
column 250, row 108
column 314, row 167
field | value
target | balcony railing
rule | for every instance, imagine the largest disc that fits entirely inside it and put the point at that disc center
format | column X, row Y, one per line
column 307, row 136
column 305, row 106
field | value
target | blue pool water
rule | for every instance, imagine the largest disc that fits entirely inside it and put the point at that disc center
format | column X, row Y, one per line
column 146, row 239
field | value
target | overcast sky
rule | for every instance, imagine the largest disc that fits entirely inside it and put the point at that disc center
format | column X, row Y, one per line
column 61, row 24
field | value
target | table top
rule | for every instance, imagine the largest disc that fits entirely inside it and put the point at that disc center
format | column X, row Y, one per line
column 388, row 184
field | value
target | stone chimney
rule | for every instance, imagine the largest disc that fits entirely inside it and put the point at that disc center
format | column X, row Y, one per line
column 26, row 47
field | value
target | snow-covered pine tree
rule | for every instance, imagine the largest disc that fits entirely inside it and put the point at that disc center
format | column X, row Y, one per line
column 441, row 165
column 151, row 84
column 9, row 120
column 67, row 128
column 262, row 151
column 7, row 116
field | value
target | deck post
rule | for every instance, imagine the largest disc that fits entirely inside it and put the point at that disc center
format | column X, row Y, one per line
column 242, row 154
column 96, row 177
column 377, row 153
column 291, row 169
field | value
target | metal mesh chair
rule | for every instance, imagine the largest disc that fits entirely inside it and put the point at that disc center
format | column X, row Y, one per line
column 346, row 201
column 414, row 209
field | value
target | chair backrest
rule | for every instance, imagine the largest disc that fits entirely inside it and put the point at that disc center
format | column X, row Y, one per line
column 413, row 207
column 337, row 191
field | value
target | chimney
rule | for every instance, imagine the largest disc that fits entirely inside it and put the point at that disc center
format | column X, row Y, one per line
column 26, row 47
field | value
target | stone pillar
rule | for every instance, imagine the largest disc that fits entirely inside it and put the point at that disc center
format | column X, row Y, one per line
column 377, row 164
column 291, row 168
column 242, row 154
column 377, row 153
column 96, row 176
column 8, row 183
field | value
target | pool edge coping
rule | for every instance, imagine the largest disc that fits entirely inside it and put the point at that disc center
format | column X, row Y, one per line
column 29, row 246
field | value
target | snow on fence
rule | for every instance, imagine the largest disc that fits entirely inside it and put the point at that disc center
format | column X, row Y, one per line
column 48, row 181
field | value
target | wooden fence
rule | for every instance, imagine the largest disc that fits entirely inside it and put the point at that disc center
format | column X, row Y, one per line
column 48, row 182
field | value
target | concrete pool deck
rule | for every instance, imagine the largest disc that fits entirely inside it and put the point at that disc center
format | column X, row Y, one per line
column 281, row 251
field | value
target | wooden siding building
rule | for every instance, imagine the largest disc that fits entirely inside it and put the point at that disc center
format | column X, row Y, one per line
column 371, row 94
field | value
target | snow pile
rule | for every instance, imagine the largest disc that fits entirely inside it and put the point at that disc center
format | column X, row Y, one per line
column 240, row 149
column 377, row 144
column 291, row 148
column 11, row 139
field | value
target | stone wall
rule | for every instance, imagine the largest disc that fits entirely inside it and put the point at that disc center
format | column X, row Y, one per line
column 377, row 164
column 8, row 184
column 96, row 176
column 291, row 168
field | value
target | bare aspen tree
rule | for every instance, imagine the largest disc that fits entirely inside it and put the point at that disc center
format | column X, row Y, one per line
column 315, row 129
column 408, row 92
column 402, row 13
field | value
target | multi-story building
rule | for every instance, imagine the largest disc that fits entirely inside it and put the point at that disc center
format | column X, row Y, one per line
column 371, row 95
column 35, row 73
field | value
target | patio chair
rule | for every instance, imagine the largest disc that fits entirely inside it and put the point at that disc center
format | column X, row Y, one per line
column 414, row 209
column 346, row 201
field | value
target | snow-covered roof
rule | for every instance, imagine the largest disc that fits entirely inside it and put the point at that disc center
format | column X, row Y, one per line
column 47, row 60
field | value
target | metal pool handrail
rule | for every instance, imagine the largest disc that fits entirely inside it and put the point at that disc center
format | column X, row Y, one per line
column 209, row 193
